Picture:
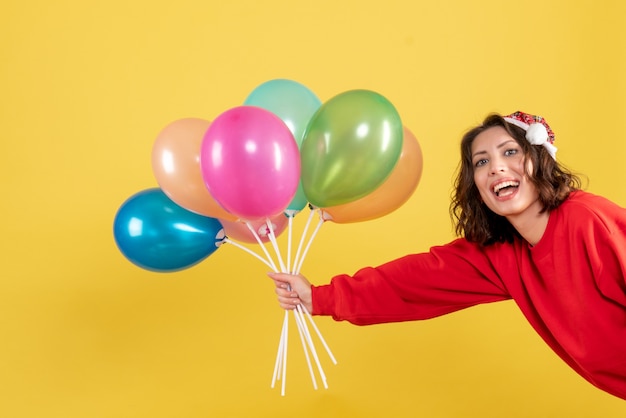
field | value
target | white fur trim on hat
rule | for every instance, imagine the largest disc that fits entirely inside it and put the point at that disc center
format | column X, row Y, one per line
column 517, row 122
column 551, row 149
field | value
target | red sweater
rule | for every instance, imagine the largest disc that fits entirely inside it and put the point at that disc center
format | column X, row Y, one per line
column 571, row 286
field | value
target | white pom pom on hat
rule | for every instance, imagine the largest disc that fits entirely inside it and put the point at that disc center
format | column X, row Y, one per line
column 538, row 131
column 537, row 134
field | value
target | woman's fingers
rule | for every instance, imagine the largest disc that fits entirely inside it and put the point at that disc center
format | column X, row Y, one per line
column 287, row 299
column 287, row 287
column 281, row 285
column 288, row 302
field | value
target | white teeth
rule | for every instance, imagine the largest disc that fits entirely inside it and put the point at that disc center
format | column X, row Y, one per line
column 504, row 184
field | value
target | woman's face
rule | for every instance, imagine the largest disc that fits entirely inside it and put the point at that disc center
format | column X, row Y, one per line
column 501, row 176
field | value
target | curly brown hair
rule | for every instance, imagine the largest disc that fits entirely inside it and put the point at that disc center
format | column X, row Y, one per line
column 473, row 219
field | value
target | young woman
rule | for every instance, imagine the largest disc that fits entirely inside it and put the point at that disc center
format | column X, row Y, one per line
column 529, row 233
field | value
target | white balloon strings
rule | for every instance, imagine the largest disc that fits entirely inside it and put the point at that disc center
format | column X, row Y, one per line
column 308, row 245
column 305, row 338
column 249, row 251
column 280, row 366
column 319, row 334
column 289, row 234
column 272, row 236
column 304, row 232
column 297, row 271
column 305, row 335
column 258, row 240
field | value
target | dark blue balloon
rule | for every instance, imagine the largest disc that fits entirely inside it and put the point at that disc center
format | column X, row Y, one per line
column 156, row 234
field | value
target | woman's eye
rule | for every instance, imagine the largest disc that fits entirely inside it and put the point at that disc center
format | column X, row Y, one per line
column 480, row 162
column 510, row 152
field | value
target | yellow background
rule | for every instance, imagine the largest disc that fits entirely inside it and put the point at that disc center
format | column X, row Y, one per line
column 85, row 88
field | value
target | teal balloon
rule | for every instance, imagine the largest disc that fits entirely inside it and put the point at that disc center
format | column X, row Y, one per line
column 294, row 104
column 350, row 147
column 298, row 202
column 156, row 234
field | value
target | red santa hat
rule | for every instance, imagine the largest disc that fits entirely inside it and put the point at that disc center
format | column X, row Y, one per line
column 538, row 131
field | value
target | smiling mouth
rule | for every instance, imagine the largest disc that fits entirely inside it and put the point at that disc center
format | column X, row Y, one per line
column 505, row 188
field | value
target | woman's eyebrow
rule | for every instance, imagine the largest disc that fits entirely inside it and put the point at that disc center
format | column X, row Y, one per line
column 503, row 144
column 477, row 153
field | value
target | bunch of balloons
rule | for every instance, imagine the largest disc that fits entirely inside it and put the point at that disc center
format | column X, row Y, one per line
column 350, row 157
column 244, row 175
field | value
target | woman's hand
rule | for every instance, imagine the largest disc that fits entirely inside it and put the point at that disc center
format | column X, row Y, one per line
column 292, row 290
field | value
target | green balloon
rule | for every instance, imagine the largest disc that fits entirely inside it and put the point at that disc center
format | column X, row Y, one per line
column 350, row 147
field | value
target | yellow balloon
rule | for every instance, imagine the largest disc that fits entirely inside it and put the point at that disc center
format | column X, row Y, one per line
column 389, row 196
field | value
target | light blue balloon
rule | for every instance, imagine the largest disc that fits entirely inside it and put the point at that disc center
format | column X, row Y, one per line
column 295, row 105
column 156, row 234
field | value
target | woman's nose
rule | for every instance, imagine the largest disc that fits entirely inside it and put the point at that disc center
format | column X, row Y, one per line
column 496, row 166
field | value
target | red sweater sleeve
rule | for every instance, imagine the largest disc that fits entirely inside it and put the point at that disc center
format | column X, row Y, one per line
column 419, row 286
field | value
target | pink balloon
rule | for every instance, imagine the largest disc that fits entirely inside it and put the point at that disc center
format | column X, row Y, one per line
column 250, row 162
column 239, row 231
